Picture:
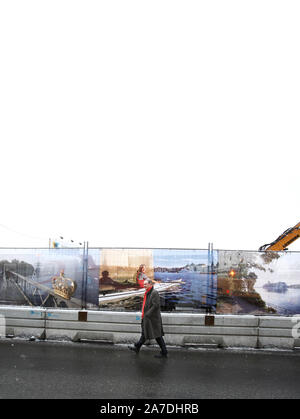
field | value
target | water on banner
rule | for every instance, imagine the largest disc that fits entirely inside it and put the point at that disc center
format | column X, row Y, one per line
column 184, row 279
column 258, row 282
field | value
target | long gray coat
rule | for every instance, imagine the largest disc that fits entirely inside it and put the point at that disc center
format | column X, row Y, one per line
column 152, row 318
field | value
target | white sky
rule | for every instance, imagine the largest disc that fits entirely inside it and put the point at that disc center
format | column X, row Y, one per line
column 149, row 123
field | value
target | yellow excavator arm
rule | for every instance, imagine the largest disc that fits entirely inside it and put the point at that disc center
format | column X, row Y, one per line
column 284, row 240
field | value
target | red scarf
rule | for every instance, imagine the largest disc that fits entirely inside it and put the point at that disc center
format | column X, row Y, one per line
column 145, row 298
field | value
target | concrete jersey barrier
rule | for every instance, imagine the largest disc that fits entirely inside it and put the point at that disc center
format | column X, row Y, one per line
column 181, row 329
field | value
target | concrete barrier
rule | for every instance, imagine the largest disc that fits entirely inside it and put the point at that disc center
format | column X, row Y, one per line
column 276, row 332
column 181, row 329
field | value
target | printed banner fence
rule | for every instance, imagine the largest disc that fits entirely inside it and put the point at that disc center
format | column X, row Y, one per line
column 46, row 278
column 258, row 282
column 188, row 280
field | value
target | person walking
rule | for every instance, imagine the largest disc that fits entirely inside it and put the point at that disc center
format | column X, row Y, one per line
column 151, row 321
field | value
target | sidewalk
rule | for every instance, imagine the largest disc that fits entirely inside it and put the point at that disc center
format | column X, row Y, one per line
column 89, row 370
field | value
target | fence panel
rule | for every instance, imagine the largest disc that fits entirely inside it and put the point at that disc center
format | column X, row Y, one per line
column 45, row 277
column 183, row 277
column 258, row 282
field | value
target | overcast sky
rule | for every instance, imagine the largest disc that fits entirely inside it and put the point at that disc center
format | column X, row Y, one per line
column 149, row 123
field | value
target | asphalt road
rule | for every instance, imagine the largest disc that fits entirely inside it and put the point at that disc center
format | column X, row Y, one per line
column 40, row 370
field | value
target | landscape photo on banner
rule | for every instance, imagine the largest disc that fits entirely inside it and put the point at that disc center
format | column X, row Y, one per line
column 183, row 278
column 258, row 282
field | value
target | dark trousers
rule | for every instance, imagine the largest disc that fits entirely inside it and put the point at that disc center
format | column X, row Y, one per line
column 159, row 340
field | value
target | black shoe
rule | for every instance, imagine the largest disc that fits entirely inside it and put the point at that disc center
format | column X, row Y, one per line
column 134, row 348
column 161, row 356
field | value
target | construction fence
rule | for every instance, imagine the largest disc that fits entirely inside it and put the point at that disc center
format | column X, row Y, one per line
column 188, row 280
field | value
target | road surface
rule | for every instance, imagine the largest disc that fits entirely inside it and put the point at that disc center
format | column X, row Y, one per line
column 66, row 370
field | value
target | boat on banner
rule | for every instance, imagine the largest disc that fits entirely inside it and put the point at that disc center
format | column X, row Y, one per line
column 160, row 287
